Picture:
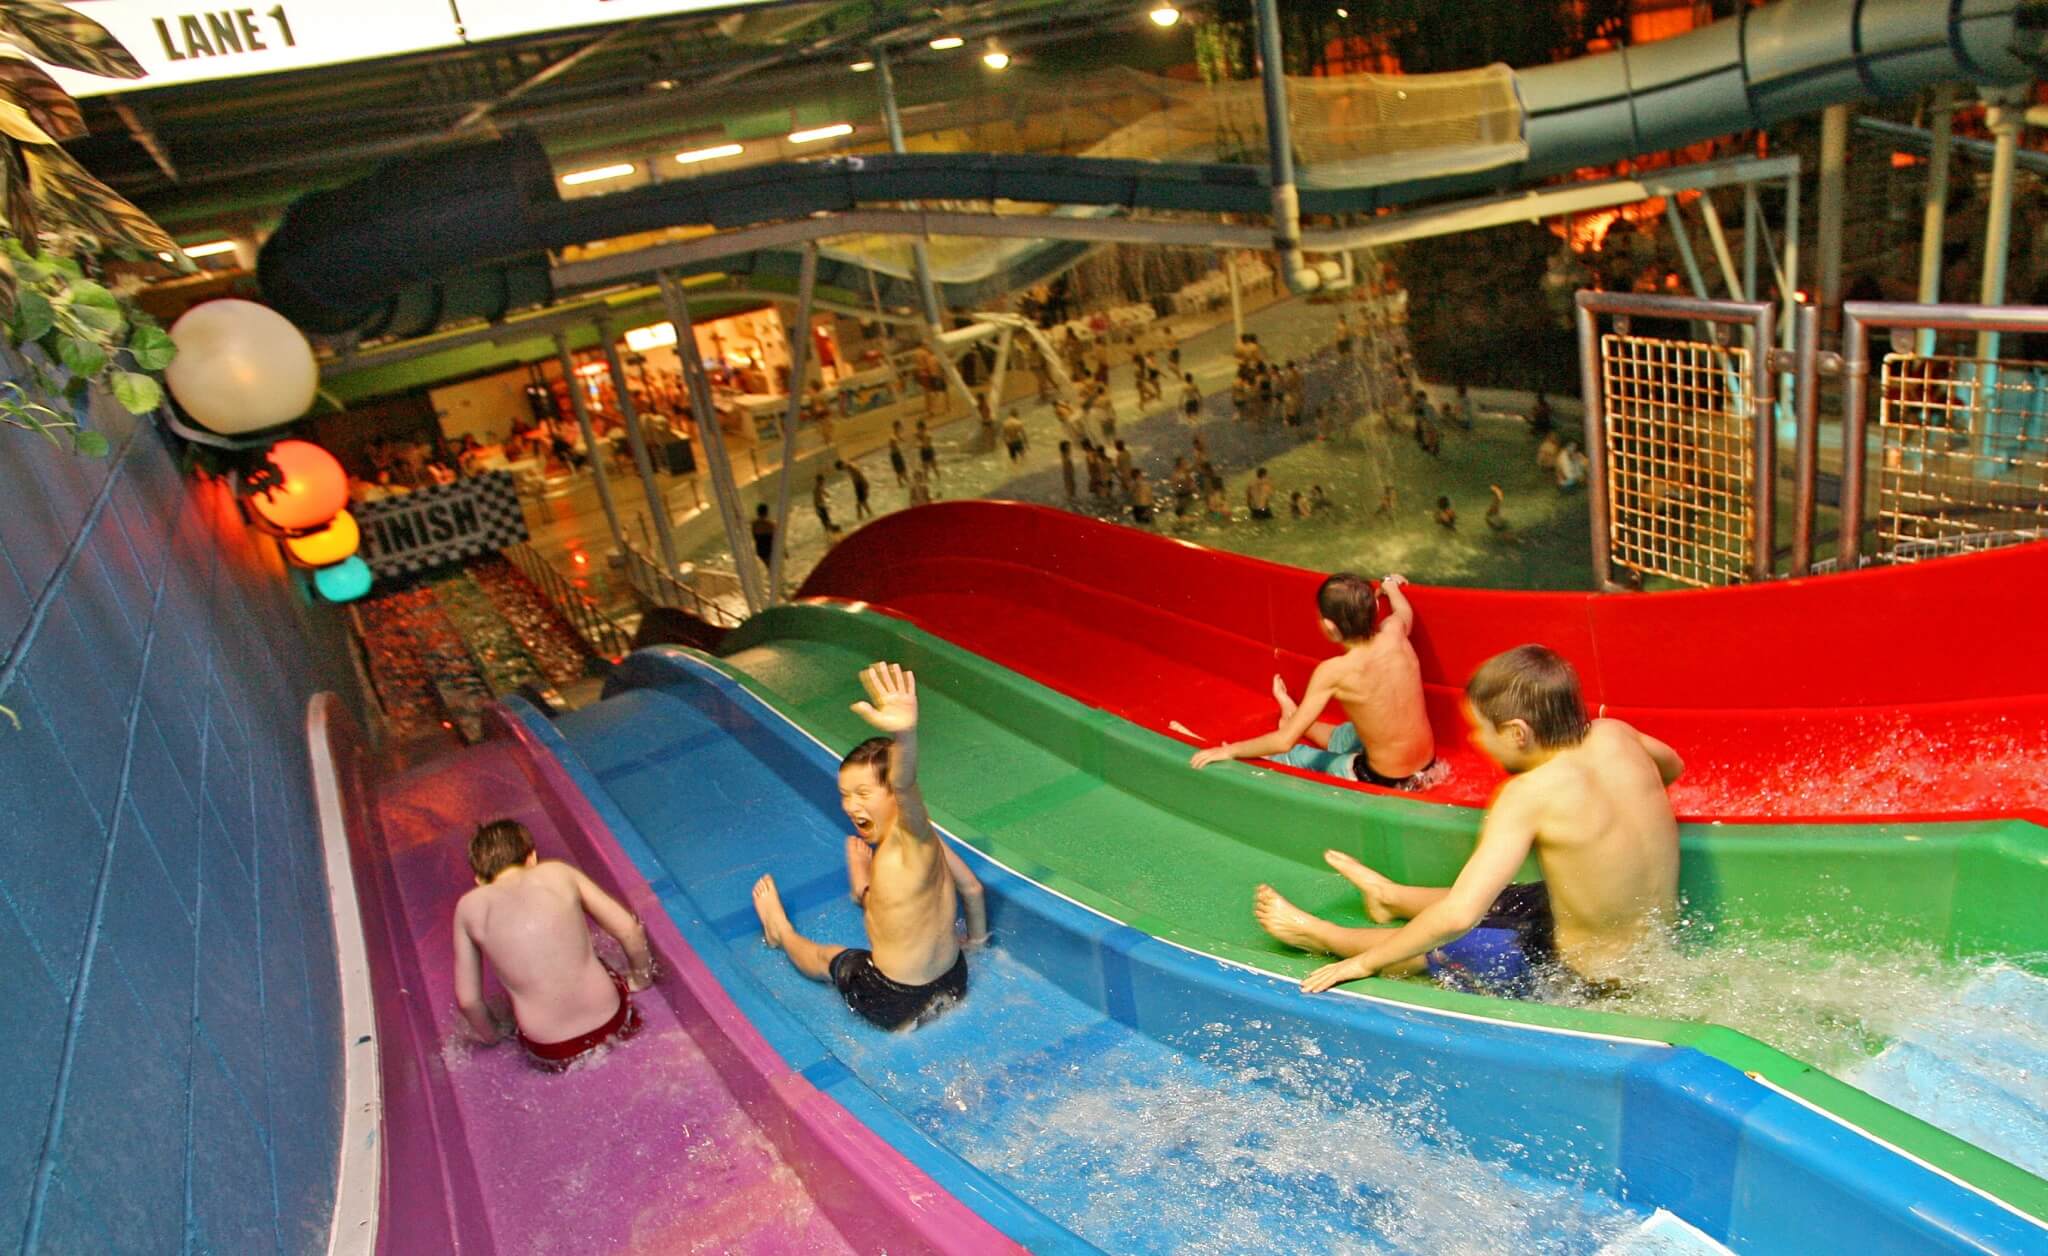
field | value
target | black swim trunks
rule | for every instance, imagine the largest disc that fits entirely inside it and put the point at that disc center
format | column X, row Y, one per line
column 891, row 1004
column 1427, row 776
column 1512, row 952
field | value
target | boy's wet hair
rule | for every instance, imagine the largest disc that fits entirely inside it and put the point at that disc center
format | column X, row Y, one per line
column 496, row 846
column 1534, row 684
column 872, row 753
column 1350, row 602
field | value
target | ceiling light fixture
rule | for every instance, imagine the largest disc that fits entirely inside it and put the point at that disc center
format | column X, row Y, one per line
column 1164, row 15
column 861, row 67
column 945, row 42
column 834, row 131
column 709, row 154
column 210, row 248
column 996, row 59
column 598, row 174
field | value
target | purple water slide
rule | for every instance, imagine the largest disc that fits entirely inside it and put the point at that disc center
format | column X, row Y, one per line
column 694, row 1136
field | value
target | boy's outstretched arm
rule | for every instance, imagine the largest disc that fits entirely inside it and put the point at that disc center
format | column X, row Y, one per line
column 892, row 708
column 612, row 917
column 972, row 901
column 1669, row 765
column 1398, row 609
column 1504, row 842
column 469, row 985
column 1321, row 689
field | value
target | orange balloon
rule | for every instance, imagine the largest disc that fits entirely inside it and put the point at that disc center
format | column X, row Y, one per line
column 313, row 491
column 330, row 544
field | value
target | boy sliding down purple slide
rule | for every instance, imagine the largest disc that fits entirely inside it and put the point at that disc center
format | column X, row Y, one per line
column 903, row 876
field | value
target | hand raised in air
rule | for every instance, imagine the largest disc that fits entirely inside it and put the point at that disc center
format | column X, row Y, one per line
column 892, row 698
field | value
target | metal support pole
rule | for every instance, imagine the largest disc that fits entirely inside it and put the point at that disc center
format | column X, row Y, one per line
column 597, row 471
column 1596, row 444
column 1806, row 440
column 724, row 488
column 1855, row 425
column 1001, row 374
column 1236, row 302
column 2003, row 115
column 1789, row 293
column 799, row 367
column 1719, row 238
column 1934, row 213
column 1692, row 262
column 920, row 260
column 1834, row 186
column 1764, row 443
column 1294, row 268
column 1752, row 226
column 664, row 529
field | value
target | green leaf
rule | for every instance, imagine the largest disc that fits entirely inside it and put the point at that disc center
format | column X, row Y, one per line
column 97, row 308
column 151, row 347
column 138, row 394
column 33, row 316
column 59, row 35
column 82, row 358
column 89, row 444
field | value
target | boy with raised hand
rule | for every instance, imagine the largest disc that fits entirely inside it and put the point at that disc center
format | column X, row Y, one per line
column 1386, row 739
column 902, row 875
column 526, row 917
column 1587, row 796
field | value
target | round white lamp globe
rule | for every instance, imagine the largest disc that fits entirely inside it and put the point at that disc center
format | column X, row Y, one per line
column 241, row 367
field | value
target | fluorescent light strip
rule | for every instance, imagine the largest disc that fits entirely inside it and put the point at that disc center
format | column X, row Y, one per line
column 710, row 154
column 598, row 174
column 834, row 131
column 861, row 67
column 210, row 248
column 944, row 42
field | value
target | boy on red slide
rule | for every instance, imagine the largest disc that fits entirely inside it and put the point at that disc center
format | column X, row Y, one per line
column 526, row 917
column 1387, row 739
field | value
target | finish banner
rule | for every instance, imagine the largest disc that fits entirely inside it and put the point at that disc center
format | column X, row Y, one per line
column 418, row 531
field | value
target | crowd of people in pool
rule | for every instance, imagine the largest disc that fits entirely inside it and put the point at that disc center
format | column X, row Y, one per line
column 1587, row 797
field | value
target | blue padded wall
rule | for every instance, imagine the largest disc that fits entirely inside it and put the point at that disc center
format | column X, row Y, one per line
column 172, row 1066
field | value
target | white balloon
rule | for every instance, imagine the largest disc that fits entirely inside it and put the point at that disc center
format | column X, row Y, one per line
column 241, row 367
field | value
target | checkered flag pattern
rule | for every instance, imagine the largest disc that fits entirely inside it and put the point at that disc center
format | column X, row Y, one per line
column 444, row 523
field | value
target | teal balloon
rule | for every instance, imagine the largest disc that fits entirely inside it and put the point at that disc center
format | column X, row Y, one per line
column 345, row 581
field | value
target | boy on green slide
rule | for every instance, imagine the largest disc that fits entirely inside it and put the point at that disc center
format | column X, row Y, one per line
column 1588, row 797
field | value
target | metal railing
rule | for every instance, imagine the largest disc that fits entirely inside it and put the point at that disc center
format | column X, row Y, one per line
column 1942, row 547
column 1679, row 438
column 660, row 588
column 1962, row 438
column 599, row 631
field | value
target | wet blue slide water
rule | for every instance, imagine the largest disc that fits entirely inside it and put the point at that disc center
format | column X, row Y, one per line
column 1099, row 1088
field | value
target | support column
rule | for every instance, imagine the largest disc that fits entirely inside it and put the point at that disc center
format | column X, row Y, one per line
column 2002, row 115
column 599, row 479
column 1934, row 214
column 664, row 527
column 919, row 258
column 1001, row 373
column 799, row 367
column 1236, row 302
column 724, row 489
column 1788, row 324
column 1719, row 239
column 1752, row 227
column 1834, row 183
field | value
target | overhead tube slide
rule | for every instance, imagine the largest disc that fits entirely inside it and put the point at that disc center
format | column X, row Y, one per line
column 1149, row 1099
column 359, row 253
column 1914, row 917
column 693, row 1135
column 1801, row 698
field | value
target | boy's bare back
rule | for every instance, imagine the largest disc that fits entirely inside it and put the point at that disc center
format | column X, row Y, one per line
column 1606, row 839
column 1379, row 685
column 529, row 923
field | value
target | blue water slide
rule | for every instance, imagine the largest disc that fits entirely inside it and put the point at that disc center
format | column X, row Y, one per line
column 397, row 253
column 1099, row 1089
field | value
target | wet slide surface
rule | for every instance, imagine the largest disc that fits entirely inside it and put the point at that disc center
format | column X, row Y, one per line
column 690, row 1137
column 1826, row 942
column 1147, row 1098
column 1885, row 692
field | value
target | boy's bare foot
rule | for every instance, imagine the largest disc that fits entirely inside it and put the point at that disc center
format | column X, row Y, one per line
column 860, row 867
column 1372, row 887
column 768, row 906
column 1286, row 922
column 1287, row 704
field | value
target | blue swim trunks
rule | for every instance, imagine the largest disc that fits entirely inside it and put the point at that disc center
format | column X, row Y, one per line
column 1345, row 760
column 1508, row 953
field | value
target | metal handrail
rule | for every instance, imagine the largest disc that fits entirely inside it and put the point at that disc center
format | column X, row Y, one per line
column 599, row 631
column 661, row 588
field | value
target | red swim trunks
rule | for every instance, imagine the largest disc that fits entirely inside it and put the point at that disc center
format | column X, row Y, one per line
column 554, row 1057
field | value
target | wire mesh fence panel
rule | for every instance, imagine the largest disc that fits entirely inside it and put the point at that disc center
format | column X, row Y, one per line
column 1962, row 449
column 1679, row 433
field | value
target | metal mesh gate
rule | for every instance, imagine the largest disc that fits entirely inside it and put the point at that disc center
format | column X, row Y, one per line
column 1962, row 449
column 1678, row 432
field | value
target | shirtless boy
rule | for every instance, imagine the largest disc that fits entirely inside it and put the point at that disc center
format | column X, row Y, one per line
column 1588, row 797
column 526, row 917
column 1386, row 740
column 902, row 874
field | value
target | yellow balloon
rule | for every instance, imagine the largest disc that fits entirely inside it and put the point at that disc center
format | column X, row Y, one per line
column 241, row 367
column 330, row 544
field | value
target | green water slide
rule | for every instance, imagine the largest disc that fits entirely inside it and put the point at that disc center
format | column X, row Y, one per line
column 1108, row 814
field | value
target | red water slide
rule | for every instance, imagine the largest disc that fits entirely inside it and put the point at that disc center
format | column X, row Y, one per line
column 1917, row 691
